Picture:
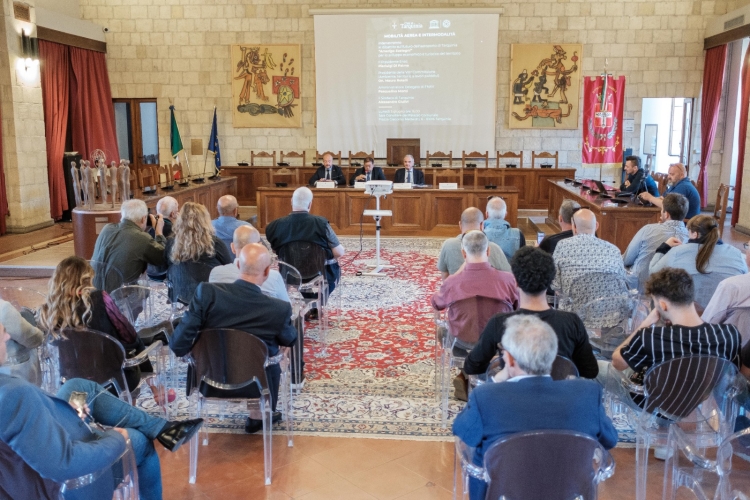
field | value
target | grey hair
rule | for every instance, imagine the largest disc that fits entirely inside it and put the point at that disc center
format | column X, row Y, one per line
column 532, row 342
column 302, row 198
column 227, row 204
column 408, row 156
column 496, row 208
column 475, row 243
column 244, row 235
column 567, row 209
column 166, row 206
column 133, row 210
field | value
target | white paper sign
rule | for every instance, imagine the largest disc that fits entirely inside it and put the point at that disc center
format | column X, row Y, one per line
column 448, row 185
column 628, row 124
column 325, row 185
column 359, row 185
column 401, row 185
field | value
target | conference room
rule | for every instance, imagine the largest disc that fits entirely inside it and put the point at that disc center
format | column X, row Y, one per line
column 465, row 179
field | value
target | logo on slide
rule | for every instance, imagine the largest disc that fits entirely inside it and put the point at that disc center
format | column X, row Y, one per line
column 434, row 24
column 446, row 23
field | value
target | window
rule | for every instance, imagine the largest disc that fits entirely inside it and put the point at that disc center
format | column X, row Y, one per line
column 137, row 132
column 675, row 129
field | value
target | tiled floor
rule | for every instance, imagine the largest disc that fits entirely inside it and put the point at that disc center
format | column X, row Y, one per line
column 319, row 468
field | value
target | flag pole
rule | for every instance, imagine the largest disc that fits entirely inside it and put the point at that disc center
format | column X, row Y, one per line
column 205, row 157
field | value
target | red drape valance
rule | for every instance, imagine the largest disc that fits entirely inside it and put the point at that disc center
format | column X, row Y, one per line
column 55, row 75
column 744, row 104
column 713, row 81
column 92, row 112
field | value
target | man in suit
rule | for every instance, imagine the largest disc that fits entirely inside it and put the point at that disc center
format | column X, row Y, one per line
column 526, row 398
column 368, row 173
column 329, row 172
column 243, row 306
column 44, row 441
column 408, row 173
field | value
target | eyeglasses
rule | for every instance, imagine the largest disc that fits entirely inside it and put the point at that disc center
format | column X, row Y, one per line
column 746, row 245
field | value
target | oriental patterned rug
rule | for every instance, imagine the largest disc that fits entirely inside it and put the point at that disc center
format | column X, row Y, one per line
column 375, row 374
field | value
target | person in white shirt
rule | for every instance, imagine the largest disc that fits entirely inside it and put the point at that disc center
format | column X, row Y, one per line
column 732, row 293
column 274, row 286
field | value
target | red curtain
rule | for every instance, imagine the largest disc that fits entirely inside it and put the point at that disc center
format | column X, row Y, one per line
column 742, row 135
column 55, row 70
column 92, row 112
column 713, row 81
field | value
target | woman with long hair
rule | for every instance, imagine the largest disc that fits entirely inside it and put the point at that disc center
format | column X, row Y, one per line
column 193, row 250
column 705, row 257
column 73, row 303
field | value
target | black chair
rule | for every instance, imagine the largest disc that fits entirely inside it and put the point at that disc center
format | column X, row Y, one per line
column 563, row 369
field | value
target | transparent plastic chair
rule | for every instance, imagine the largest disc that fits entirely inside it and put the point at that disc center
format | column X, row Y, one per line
column 609, row 320
column 230, row 365
column 107, row 277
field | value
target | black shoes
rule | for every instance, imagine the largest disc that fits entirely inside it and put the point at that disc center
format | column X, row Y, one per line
column 174, row 434
column 253, row 425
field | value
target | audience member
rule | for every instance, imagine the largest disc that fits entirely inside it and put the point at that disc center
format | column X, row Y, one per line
column 229, row 273
column 478, row 278
column 641, row 249
column 409, row 174
column 367, row 173
column 705, row 257
column 498, row 230
column 301, row 225
column 534, row 270
column 45, row 440
column 731, row 293
column 584, row 253
column 679, row 183
column 638, row 180
column 451, row 259
column 565, row 219
column 683, row 333
column 241, row 305
column 227, row 221
column 169, row 209
column 127, row 247
column 22, row 360
column 73, row 303
column 526, row 398
column 328, row 172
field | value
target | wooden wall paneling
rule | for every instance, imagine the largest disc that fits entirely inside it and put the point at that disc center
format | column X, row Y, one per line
column 407, row 211
column 446, row 209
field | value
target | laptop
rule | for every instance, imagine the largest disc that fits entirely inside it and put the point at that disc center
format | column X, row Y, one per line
column 602, row 189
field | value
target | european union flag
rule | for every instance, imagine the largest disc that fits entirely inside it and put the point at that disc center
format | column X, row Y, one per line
column 213, row 144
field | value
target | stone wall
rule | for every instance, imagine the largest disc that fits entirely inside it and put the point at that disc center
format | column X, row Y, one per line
column 179, row 50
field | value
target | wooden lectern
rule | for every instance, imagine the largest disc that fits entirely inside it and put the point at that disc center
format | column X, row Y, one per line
column 398, row 148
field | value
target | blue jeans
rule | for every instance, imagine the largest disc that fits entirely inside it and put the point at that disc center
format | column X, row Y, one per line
column 142, row 429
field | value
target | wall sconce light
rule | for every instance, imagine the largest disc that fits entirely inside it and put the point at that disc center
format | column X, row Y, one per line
column 29, row 50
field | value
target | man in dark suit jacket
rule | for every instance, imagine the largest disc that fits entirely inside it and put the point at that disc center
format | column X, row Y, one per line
column 367, row 173
column 328, row 171
column 409, row 173
column 241, row 305
column 526, row 398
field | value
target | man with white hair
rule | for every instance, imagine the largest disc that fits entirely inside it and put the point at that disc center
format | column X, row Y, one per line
column 584, row 253
column 227, row 221
column 127, row 246
column 301, row 225
column 679, row 183
column 229, row 273
column 409, row 174
column 169, row 209
column 451, row 259
column 527, row 399
column 498, row 230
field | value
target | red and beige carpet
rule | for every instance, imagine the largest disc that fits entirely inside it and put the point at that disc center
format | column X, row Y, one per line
column 374, row 376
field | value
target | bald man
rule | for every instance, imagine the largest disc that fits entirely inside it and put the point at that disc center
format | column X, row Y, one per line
column 227, row 222
column 273, row 287
column 243, row 306
column 679, row 183
column 328, row 172
column 584, row 253
column 451, row 259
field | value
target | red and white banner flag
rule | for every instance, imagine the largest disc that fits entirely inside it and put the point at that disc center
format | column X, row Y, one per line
column 603, row 103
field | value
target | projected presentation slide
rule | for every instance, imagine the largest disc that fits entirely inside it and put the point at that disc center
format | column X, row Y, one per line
column 431, row 76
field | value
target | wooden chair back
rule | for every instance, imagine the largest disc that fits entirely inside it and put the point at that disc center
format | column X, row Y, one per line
column 544, row 155
column 438, row 155
column 446, row 175
column 336, row 157
column 262, row 155
column 661, row 181
column 359, row 155
column 284, row 157
column 510, row 157
column 287, row 174
column 720, row 209
column 475, row 155
column 148, row 176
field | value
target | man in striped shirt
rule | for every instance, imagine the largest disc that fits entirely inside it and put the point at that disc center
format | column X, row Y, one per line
column 684, row 333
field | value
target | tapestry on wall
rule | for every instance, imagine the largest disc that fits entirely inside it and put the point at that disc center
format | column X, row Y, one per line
column 545, row 83
column 266, row 85
column 603, row 104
